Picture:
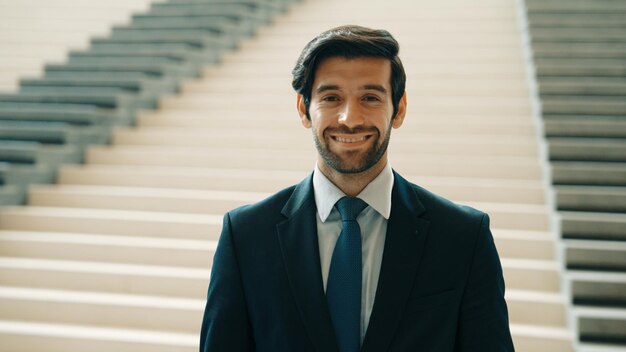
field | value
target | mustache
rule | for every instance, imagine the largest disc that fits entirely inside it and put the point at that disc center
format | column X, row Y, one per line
column 346, row 130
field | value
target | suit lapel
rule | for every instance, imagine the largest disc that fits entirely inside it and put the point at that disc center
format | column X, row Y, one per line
column 297, row 236
column 406, row 236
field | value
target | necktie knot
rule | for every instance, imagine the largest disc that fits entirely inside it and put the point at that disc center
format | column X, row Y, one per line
column 350, row 207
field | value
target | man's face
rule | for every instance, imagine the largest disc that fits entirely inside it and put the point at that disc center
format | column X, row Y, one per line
column 351, row 113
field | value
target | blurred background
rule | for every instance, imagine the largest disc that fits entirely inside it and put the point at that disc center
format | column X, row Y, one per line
column 128, row 127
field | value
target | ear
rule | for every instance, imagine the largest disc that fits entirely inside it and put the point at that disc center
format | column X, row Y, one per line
column 399, row 119
column 304, row 120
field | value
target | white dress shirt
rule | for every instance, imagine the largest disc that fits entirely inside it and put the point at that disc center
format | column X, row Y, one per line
column 373, row 224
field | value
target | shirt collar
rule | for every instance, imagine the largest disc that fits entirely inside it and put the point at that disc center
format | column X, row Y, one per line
column 377, row 194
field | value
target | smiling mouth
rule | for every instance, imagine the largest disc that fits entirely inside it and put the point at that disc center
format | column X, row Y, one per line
column 351, row 139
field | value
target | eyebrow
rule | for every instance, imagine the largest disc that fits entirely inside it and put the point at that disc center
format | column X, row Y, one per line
column 375, row 87
column 324, row 88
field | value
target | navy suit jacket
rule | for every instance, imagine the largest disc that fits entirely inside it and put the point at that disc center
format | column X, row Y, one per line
column 440, row 286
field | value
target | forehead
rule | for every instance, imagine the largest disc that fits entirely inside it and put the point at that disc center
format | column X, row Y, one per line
column 342, row 71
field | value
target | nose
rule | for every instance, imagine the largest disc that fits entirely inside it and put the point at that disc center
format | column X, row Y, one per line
column 351, row 115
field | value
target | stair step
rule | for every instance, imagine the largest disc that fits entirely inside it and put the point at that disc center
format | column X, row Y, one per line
column 238, row 24
column 584, row 126
column 179, row 50
column 536, row 338
column 572, row 20
column 143, row 199
column 588, row 173
column 105, row 277
column 104, row 101
column 75, row 338
column 601, row 324
column 583, row 105
column 191, row 41
column 587, row 149
column 581, row 50
column 595, row 255
column 515, row 216
column 25, row 152
column 126, row 60
column 102, row 70
column 249, row 10
column 11, row 194
column 196, row 57
column 596, row 288
column 52, row 132
column 604, row 347
column 75, row 114
column 532, row 275
column 130, row 85
column 198, row 37
column 22, row 174
column 109, row 248
column 591, row 198
column 536, row 308
column 114, row 222
column 582, row 86
column 523, row 244
column 563, row 35
column 588, row 225
column 102, row 45
column 226, row 31
column 96, row 309
column 586, row 6
column 250, row 180
column 17, row 152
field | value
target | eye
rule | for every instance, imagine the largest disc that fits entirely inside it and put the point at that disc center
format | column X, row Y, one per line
column 330, row 98
column 371, row 98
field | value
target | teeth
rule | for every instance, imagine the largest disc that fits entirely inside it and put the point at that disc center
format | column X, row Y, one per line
column 350, row 140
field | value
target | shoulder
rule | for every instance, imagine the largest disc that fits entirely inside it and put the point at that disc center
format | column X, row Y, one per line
column 434, row 206
column 267, row 210
column 438, row 205
column 449, row 220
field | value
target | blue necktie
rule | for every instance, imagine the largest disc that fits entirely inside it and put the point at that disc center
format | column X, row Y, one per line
column 343, row 290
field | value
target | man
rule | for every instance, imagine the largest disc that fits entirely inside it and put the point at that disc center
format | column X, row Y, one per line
column 404, row 270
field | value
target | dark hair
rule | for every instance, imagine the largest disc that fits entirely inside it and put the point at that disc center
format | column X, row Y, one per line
column 350, row 42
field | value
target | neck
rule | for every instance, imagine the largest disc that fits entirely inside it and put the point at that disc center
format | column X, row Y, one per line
column 352, row 184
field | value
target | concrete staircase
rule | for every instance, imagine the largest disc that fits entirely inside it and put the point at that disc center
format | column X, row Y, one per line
column 580, row 58
column 53, row 118
column 117, row 255
column 33, row 33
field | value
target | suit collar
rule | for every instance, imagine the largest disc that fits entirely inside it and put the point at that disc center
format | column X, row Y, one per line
column 301, row 196
column 404, row 196
column 297, row 236
column 404, row 244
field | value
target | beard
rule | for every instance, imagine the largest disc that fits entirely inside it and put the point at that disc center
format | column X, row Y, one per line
column 370, row 158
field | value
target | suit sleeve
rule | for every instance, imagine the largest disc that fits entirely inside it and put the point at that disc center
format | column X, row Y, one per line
column 484, row 323
column 226, row 327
